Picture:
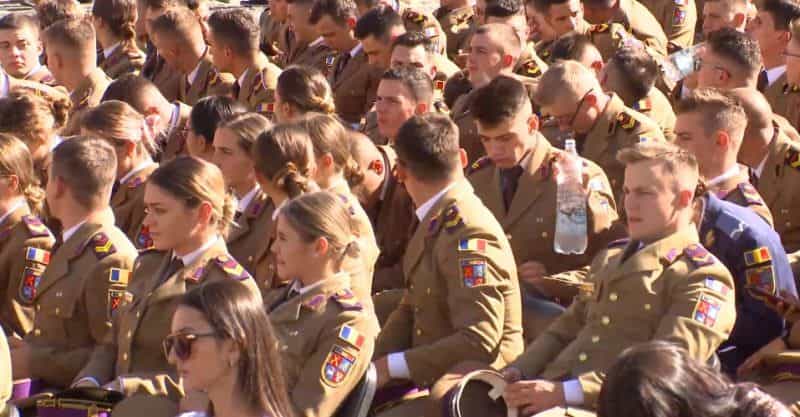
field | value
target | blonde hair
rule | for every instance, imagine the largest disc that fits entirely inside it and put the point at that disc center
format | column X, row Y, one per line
column 15, row 159
column 329, row 137
column 720, row 111
column 323, row 214
column 569, row 78
column 679, row 163
column 120, row 17
column 118, row 123
column 305, row 89
column 194, row 181
column 247, row 127
column 32, row 118
column 284, row 155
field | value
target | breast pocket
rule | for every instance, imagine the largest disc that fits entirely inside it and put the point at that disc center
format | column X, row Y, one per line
column 55, row 310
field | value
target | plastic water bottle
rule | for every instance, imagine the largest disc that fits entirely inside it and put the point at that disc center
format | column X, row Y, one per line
column 680, row 64
column 570, row 235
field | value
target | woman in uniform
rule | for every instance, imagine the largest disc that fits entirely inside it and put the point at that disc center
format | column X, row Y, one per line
column 206, row 115
column 233, row 144
column 114, row 22
column 326, row 336
column 132, row 138
column 187, row 213
column 302, row 90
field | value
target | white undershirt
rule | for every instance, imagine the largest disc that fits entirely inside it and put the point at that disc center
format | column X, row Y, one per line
column 730, row 173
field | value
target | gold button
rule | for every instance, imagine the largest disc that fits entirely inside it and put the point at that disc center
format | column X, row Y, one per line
column 58, row 310
column 138, row 314
column 788, row 224
column 419, row 332
column 606, row 320
column 544, row 234
column 38, row 307
column 582, row 357
column 508, row 236
column 595, row 339
column 428, row 291
column 130, row 333
column 124, row 356
column 284, row 347
column 411, row 287
column 647, row 307
column 613, row 296
column 37, row 332
column 58, row 294
column 249, row 259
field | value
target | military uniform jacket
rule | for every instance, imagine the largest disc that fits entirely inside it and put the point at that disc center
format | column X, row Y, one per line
column 369, row 127
column 75, row 299
column 41, row 75
column 677, row 18
column 275, row 36
column 419, row 21
column 257, row 90
column 6, row 383
column 25, row 249
column 462, row 300
column 792, row 97
column 132, row 349
column 128, row 205
column 326, row 339
column 354, row 86
column 753, row 253
column 774, row 93
column 247, row 235
column 208, row 82
column 672, row 289
column 125, row 59
column 458, row 24
column 607, row 37
column 529, row 64
column 530, row 221
column 658, row 108
column 642, row 24
column 173, row 141
column 165, row 77
column 738, row 190
column 315, row 55
column 85, row 96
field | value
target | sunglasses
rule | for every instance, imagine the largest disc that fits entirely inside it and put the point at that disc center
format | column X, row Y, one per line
column 181, row 344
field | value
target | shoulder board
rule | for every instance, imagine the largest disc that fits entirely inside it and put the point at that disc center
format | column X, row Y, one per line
column 480, row 164
column 699, row 255
column 102, row 246
column 599, row 28
column 750, row 194
column 314, row 302
column 213, row 77
column 643, row 105
column 791, row 88
column 231, row 267
column 627, row 122
column 414, row 17
column 35, row 226
column 793, row 158
column 452, row 219
column 619, row 243
column 347, row 300
column 531, row 68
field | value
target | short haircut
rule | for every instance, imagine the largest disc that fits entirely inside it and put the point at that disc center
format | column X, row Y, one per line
column 75, row 35
column 132, row 89
column 413, row 39
column 210, row 112
column 366, row 4
column 674, row 159
column 720, row 111
column 378, row 23
column 52, row 11
column 737, row 47
column 167, row 4
column 783, row 12
column 17, row 21
column 504, row 8
column 566, row 77
column 510, row 43
column 427, row 145
column 237, row 29
column 571, row 46
column 414, row 79
column 178, row 23
column 338, row 10
column 638, row 71
column 301, row 2
column 88, row 166
column 498, row 101
column 543, row 6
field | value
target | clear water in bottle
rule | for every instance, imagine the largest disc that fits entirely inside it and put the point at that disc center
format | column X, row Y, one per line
column 681, row 63
column 571, row 235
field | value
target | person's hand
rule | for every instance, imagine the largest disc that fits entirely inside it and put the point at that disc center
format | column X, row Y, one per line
column 382, row 371
column 511, row 374
column 534, row 396
column 531, row 272
column 20, row 358
column 756, row 360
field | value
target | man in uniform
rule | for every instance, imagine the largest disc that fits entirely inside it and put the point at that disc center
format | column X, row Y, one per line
column 462, row 302
column 731, row 59
column 72, row 56
column 791, row 90
column 457, row 20
column 233, row 45
column 352, row 81
column 403, row 92
column 516, row 182
column 21, row 47
column 276, row 37
column 662, row 284
column 179, row 38
column 718, row 14
column 376, row 30
column 630, row 14
column 156, row 68
column 86, row 278
column 601, row 122
column 678, row 19
column 512, row 13
column 307, row 48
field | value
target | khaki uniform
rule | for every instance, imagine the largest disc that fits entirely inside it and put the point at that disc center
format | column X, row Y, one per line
column 642, row 24
column 672, row 289
column 326, row 339
column 173, row 141
column 85, row 96
column 276, row 37
column 462, row 301
column 76, row 297
column 775, row 96
column 315, row 55
column 607, row 37
column 657, row 107
column 128, row 205
column 41, row 75
column 354, row 85
column 19, row 232
column 208, row 82
column 164, row 76
column 132, row 349
column 123, row 60
column 6, row 382
column 257, row 90
column 678, row 19
column 458, row 24
column 246, row 236
column 419, row 21
column 739, row 191
column 445, row 68
column 792, row 97
column 529, row 64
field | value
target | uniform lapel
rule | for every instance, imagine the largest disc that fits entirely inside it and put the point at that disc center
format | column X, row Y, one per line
column 650, row 257
column 351, row 68
column 71, row 249
column 534, row 180
column 195, row 272
column 597, row 139
column 250, row 214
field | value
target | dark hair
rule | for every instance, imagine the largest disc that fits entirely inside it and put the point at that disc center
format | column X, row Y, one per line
column 455, row 87
column 329, row 136
column 377, row 23
column 414, row 79
column 306, row 89
column 15, row 159
column 18, row 20
column 132, row 89
column 119, row 16
column 570, row 47
column 52, row 11
column 74, row 34
column 783, row 12
column 504, row 8
column 543, row 6
column 209, row 112
column 246, row 127
column 737, row 47
column 301, row 2
column 498, row 101
column 236, row 313
column 236, row 28
column 283, row 155
column 177, row 23
column 88, row 166
column 415, row 38
column 428, row 147
column 638, row 71
column 338, row 10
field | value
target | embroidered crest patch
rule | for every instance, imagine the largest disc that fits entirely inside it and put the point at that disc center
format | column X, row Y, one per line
column 31, row 278
column 115, row 299
column 337, row 365
column 143, row 239
column 762, row 277
column 678, row 17
column 706, row 311
column 473, row 272
column 699, row 255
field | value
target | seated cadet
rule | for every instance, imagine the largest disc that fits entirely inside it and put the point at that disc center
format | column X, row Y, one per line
column 512, row 13
column 179, row 38
column 516, row 183
column 413, row 48
column 462, row 303
column 301, row 90
column 26, row 241
column 115, row 24
column 188, row 213
column 402, row 93
column 233, row 45
column 74, row 295
column 233, row 145
column 601, row 122
column 792, row 87
column 156, row 69
column 21, row 47
column 206, row 115
column 325, row 335
column 711, row 126
column 774, row 159
column 494, row 51
column 771, row 30
column 169, row 120
column 72, row 58
column 128, row 133
column 376, row 30
column 730, row 59
column 457, row 19
column 662, row 284
column 353, row 81
column 275, row 36
column 632, row 74
column 630, row 14
column 308, row 47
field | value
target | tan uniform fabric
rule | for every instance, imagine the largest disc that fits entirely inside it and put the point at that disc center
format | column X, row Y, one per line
column 658, row 108
column 315, row 55
column 208, row 82
column 128, row 205
column 6, row 383
column 257, row 90
column 123, row 60
column 164, row 76
column 354, row 86
column 86, row 95
column 774, row 94
column 173, row 141
column 275, row 36
column 458, row 25
column 635, row 17
column 792, row 97
column 529, row 64
column 247, row 237
column 678, row 19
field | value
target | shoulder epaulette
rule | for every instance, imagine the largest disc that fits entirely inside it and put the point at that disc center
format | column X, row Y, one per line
column 750, row 194
column 35, row 226
column 618, row 243
column 599, row 28
column 314, row 302
column 136, row 181
column 479, row 164
column 627, row 122
column 414, row 17
column 347, row 300
column 531, row 68
column 793, row 158
column 452, row 218
column 231, row 267
column 791, row 88
column 256, row 208
column 699, row 255
column 102, row 245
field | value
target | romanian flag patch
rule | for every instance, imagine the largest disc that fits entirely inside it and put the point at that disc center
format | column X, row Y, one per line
column 472, row 245
column 351, row 336
column 757, row 256
column 473, row 272
column 706, row 311
column 118, row 276
column 337, row 365
column 37, row 255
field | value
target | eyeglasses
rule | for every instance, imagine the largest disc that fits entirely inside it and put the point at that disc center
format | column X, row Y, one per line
column 181, row 343
column 577, row 109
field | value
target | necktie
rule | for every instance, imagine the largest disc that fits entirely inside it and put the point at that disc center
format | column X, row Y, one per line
column 236, row 89
column 509, row 180
column 174, row 266
column 115, row 188
column 343, row 59
column 237, row 216
column 763, row 81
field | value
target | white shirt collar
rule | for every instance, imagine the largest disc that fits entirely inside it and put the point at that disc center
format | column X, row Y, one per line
column 316, row 42
column 356, row 50
column 71, row 231
column 197, row 253
column 760, row 168
column 110, row 50
column 240, row 80
column 774, row 73
column 136, row 169
column 174, row 117
column 278, row 210
column 730, row 173
column 14, row 207
column 245, row 201
column 4, row 84
column 193, row 75
column 338, row 182
column 38, row 67
column 424, row 208
column 57, row 139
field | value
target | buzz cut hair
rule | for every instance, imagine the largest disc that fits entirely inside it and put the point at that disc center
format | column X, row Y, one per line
column 720, row 111
column 677, row 162
column 177, row 23
column 73, row 34
column 568, row 78
column 237, row 29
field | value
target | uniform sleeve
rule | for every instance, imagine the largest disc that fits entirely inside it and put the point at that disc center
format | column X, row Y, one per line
column 105, row 292
column 395, row 336
column 103, row 360
column 679, row 22
column 56, row 366
column 22, row 318
column 603, row 220
column 474, row 283
column 333, row 369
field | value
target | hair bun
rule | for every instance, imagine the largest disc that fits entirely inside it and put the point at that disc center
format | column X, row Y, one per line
column 352, row 249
